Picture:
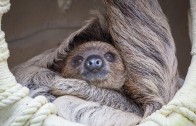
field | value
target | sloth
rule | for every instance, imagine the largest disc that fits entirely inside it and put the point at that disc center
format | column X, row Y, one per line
column 139, row 31
column 94, row 69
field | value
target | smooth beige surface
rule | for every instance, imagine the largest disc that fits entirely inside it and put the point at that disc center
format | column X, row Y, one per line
column 33, row 26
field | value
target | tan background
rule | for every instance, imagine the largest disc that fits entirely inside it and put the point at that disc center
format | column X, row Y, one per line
column 33, row 26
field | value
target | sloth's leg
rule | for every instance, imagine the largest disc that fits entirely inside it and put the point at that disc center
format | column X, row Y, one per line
column 92, row 113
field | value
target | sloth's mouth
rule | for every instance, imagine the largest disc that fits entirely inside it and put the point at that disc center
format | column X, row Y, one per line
column 95, row 76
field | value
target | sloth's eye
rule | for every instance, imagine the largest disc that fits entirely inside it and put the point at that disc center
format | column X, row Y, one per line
column 110, row 56
column 77, row 60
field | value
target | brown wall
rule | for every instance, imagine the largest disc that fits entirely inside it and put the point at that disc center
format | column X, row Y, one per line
column 176, row 12
column 33, row 26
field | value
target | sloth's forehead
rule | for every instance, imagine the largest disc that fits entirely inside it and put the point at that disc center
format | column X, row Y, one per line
column 91, row 50
column 95, row 46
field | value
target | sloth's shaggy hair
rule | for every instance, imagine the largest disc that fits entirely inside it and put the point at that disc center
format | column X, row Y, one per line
column 139, row 30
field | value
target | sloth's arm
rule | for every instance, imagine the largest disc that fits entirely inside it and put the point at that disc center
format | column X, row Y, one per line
column 82, row 89
column 141, row 37
column 37, row 79
column 42, row 81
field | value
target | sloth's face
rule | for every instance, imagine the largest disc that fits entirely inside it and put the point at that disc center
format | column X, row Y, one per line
column 98, row 63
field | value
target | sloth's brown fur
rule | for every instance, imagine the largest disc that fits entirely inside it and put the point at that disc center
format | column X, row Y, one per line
column 139, row 31
column 116, row 76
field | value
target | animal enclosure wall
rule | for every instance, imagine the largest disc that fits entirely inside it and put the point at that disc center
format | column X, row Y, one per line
column 33, row 26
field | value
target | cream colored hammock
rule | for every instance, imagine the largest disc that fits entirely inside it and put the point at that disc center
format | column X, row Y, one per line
column 17, row 109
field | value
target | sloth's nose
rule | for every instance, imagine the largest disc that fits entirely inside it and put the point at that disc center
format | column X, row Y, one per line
column 94, row 63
